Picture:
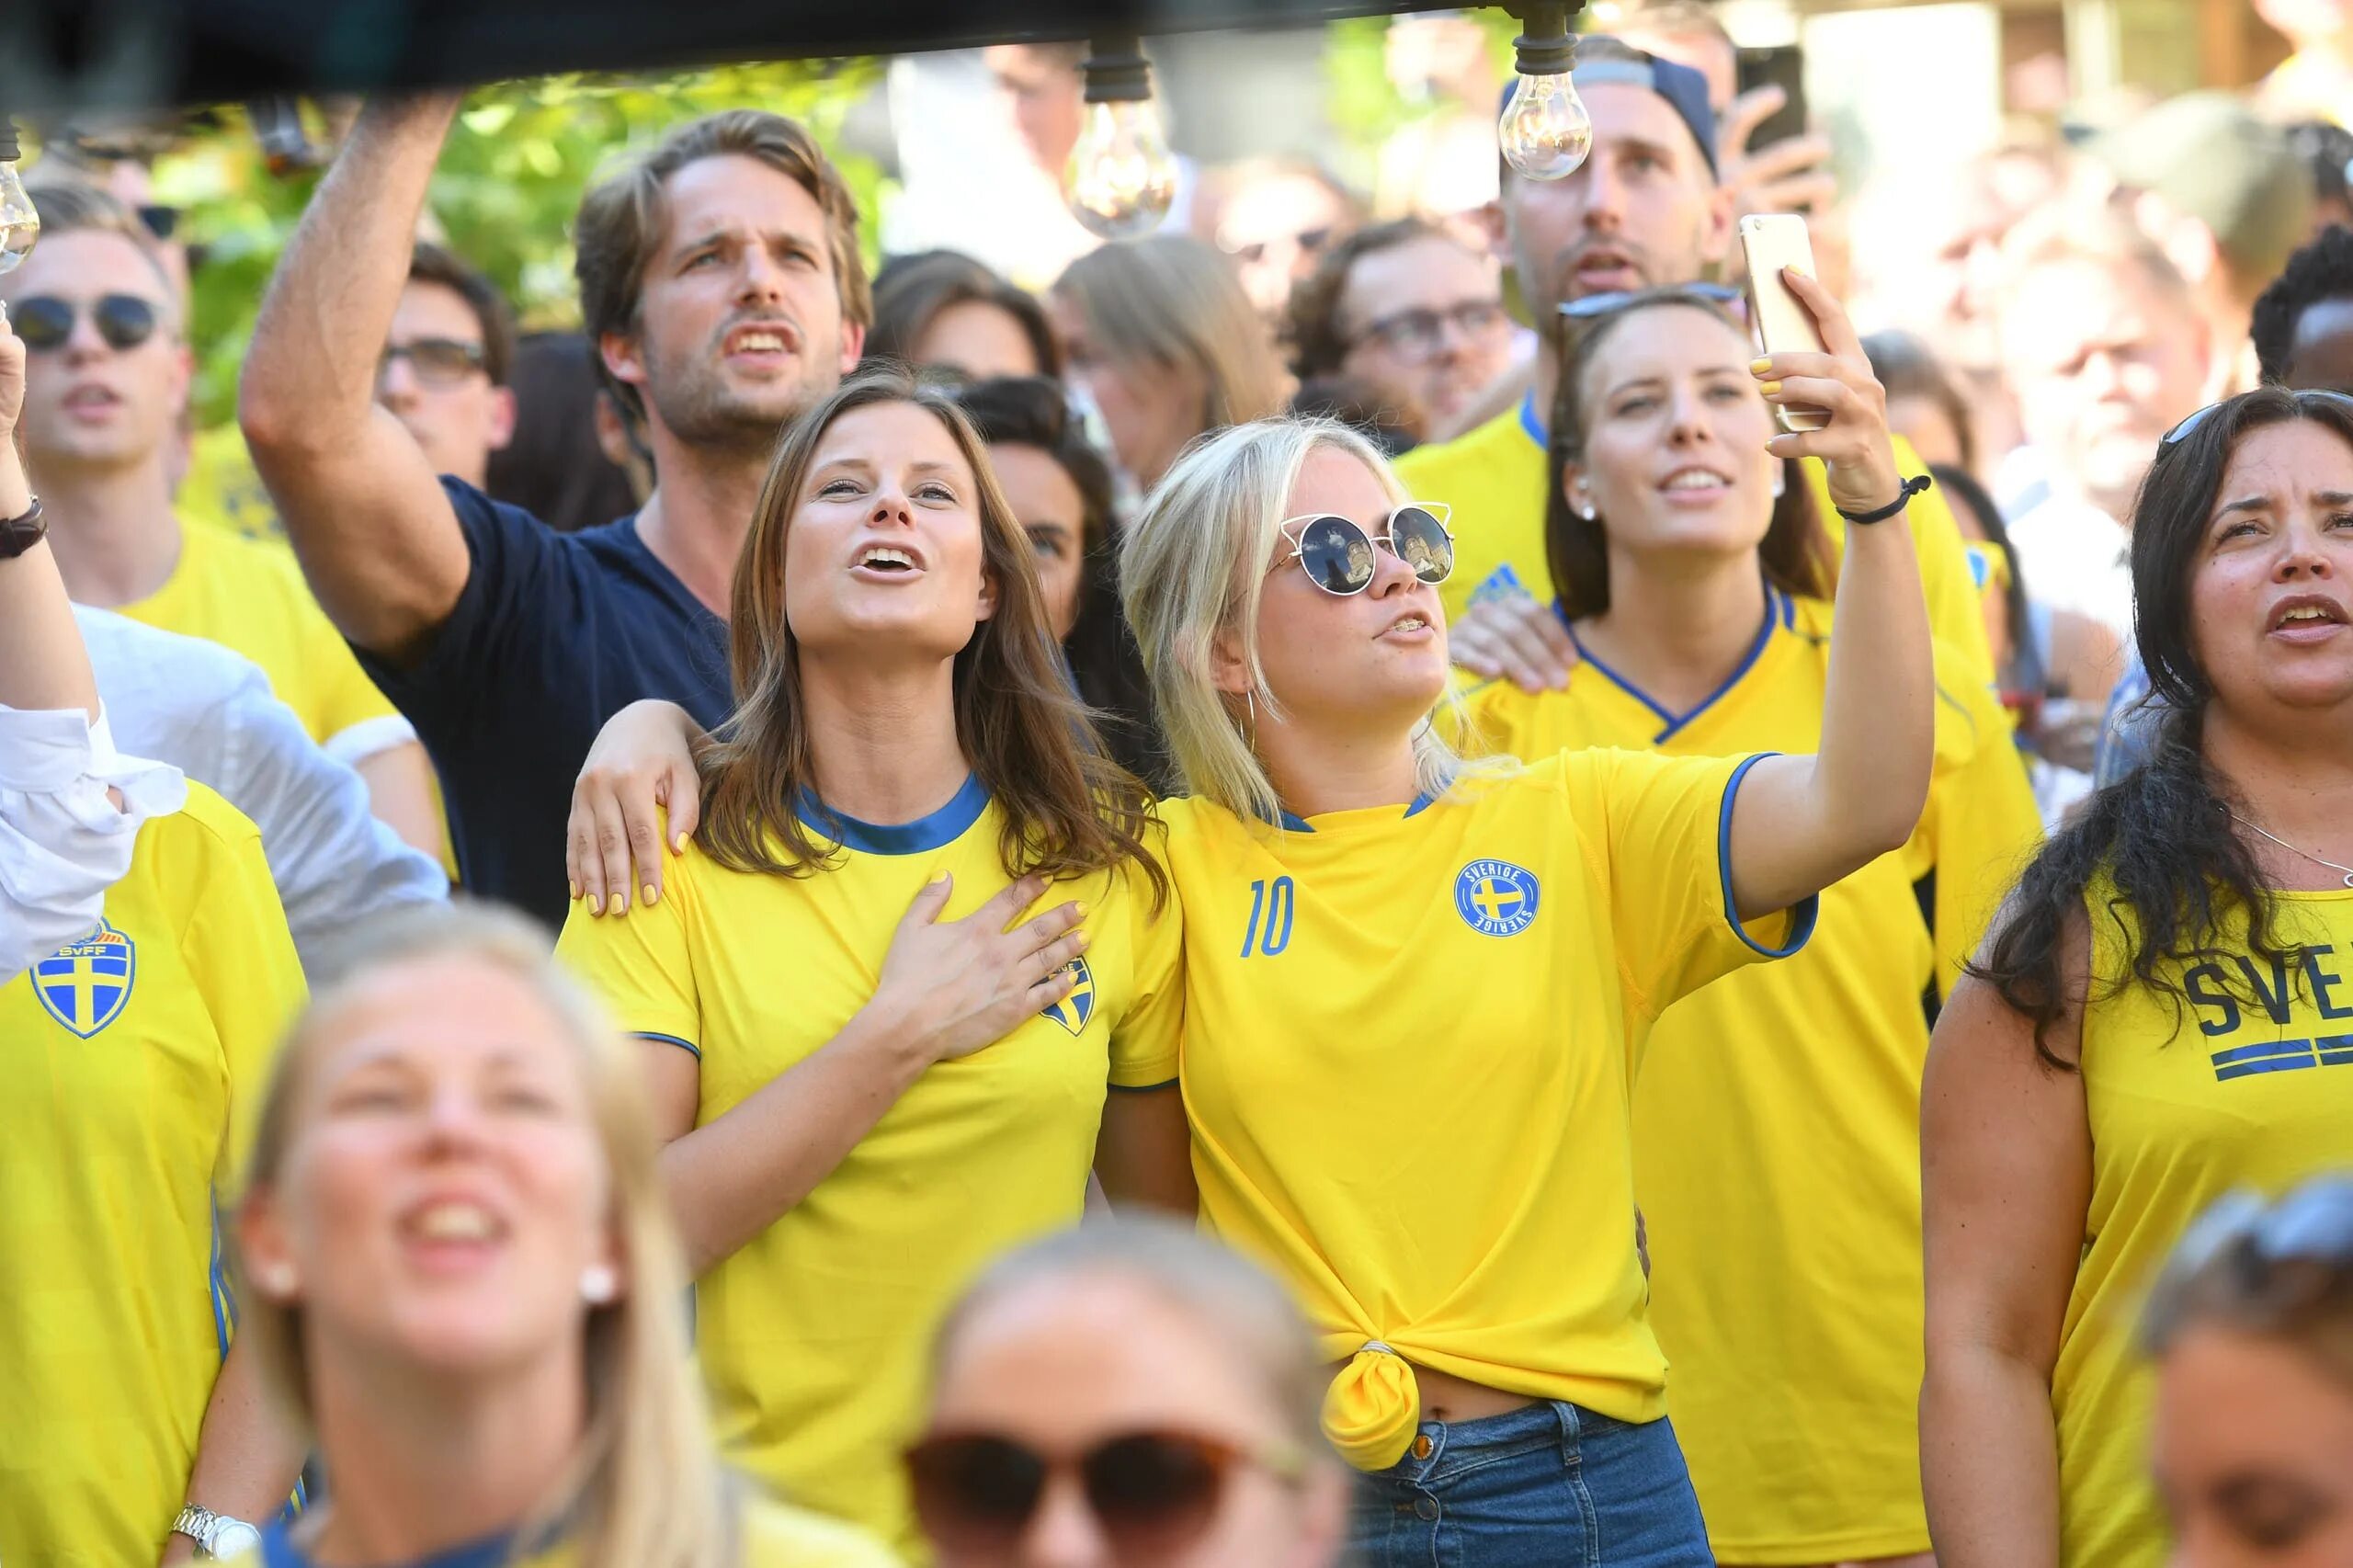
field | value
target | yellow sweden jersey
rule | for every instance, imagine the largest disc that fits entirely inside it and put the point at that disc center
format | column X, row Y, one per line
column 1410, row 1041
column 2249, row 1085
column 251, row 598
column 774, row 1537
column 1777, row 1120
column 137, row 1059
column 1494, row 477
column 813, row 1338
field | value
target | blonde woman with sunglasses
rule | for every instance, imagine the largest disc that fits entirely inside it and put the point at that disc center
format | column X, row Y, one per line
column 1416, row 995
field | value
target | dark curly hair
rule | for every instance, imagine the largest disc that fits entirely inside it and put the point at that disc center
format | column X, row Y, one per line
column 2321, row 270
column 2160, row 837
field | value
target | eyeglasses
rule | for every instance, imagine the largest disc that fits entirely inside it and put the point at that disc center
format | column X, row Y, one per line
column 45, row 321
column 436, row 361
column 1418, row 333
column 1153, row 1492
column 2182, row 430
column 1339, row 557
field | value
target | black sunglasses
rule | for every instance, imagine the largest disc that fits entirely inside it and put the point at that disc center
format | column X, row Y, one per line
column 1340, row 558
column 2181, row 430
column 45, row 321
column 1154, row 1494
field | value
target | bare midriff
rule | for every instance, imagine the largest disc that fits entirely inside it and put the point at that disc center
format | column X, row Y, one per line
column 1446, row 1397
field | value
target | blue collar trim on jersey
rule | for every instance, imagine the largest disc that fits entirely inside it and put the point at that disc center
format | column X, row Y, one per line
column 279, row 1550
column 1780, row 611
column 1529, row 422
column 932, row 831
column 1301, row 824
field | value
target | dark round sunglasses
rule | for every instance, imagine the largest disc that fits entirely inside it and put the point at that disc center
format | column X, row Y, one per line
column 45, row 321
column 1154, row 1494
column 1340, row 558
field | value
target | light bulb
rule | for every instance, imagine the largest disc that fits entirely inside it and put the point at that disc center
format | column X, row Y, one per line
column 1545, row 131
column 19, row 224
column 1121, row 178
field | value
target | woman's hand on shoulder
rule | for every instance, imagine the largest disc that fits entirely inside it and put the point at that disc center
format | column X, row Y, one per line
column 1854, row 445
column 643, row 762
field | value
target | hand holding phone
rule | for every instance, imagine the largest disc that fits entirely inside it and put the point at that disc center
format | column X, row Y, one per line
column 1772, row 241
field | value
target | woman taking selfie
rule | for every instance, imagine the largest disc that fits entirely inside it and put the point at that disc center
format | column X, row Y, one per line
column 2252, row 1330
column 1126, row 1395
column 914, row 939
column 2155, row 1017
column 1785, row 1280
column 1370, row 936
column 462, row 1284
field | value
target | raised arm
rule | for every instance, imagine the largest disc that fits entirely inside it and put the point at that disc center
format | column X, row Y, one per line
column 42, row 666
column 2006, row 1184
column 375, row 534
column 1802, row 823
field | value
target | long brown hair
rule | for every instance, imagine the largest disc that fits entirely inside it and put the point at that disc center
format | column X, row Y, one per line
column 1067, row 808
column 1795, row 553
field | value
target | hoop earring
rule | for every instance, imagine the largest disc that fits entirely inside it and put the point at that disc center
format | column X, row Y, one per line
column 1250, row 725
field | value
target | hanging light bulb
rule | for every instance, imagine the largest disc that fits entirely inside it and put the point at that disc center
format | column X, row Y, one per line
column 19, row 224
column 1121, row 178
column 1544, row 132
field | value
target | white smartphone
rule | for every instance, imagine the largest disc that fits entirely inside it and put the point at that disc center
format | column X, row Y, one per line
column 1772, row 241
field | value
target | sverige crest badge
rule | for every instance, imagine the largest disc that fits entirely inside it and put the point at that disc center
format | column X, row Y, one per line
column 85, row 986
column 1495, row 898
column 1073, row 1011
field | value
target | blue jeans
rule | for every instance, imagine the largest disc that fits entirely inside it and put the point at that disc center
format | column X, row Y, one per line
column 1553, row 1485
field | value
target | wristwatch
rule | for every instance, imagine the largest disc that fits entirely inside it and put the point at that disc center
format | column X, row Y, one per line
column 217, row 1536
column 18, row 535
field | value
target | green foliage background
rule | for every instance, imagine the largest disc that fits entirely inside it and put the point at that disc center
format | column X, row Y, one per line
column 505, row 192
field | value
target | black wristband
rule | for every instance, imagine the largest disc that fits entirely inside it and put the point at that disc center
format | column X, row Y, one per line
column 18, row 535
column 1910, row 488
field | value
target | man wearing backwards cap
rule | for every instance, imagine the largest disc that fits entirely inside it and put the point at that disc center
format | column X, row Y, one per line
column 2226, row 197
column 1645, row 208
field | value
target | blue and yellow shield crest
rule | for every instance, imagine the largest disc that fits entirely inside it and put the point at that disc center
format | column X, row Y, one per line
column 1073, row 1011
column 85, row 986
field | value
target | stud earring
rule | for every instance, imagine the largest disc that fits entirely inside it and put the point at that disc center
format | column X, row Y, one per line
column 279, row 1282
column 1780, row 482
column 599, row 1285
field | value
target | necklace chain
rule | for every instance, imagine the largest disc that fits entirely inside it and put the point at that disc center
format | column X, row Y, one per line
column 2317, row 859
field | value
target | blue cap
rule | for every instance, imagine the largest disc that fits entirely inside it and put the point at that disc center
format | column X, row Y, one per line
column 1685, row 90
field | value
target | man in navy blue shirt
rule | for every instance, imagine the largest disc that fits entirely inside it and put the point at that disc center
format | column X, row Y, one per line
column 719, row 279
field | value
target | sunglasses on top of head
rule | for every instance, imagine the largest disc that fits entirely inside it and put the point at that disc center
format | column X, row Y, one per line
column 45, row 321
column 1340, row 558
column 1152, row 1493
column 2304, row 398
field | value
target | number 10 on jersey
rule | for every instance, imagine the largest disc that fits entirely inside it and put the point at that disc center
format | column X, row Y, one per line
column 1269, row 932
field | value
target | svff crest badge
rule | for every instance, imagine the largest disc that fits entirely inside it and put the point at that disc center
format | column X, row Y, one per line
column 1495, row 898
column 85, row 986
column 1073, row 1011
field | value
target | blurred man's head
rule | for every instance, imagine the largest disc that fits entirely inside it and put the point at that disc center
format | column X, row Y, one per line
column 2103, row 346
column 1643, row 209
column 1689, row 34
column 1277, row 220
column 1407, row 306
column 2304, row 322
column 1928, row 249
column 1042, row 84
column 107, row 371
column 446, row 362
column 2222, row 192
column 721, row 281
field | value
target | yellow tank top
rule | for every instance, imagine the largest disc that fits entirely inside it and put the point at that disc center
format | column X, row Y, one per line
column 2247, row 1083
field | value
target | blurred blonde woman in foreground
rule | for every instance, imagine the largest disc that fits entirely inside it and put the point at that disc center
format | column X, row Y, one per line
column 1129, row 1395
column 463, row 1282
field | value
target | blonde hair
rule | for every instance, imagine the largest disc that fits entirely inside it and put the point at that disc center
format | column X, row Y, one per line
column 1173, row 300
column 1245, row 1312
column 645, row 1487
column 1193, row 567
